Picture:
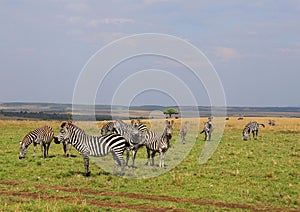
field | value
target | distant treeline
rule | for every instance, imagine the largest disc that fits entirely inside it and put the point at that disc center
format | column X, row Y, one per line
column 59, row 116
column 51, row 116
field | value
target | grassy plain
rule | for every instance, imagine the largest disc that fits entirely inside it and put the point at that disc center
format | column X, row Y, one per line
column 256, row 175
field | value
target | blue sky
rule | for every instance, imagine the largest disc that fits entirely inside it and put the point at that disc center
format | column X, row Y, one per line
column 254, row 46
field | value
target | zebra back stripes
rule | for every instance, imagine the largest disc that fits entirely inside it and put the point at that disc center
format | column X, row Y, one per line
column 251, row 127
column 139, row 125
column 42, row 136
column 96, row 146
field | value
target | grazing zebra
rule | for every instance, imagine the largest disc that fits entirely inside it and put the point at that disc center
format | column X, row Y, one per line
column 42, row 136
column 251, row 127
column 108, row 127
column 183, row 132
column 131, row 134
column 207, row 129
column 271, row 122
column 156, row 142
column 95, row 146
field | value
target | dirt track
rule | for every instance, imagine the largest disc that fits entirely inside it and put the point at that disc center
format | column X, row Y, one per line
column 63, row 191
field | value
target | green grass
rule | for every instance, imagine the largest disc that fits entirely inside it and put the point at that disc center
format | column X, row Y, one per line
column 259, row 174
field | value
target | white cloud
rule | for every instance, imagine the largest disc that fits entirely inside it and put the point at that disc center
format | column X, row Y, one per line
column 226, row 54
column 96, row 22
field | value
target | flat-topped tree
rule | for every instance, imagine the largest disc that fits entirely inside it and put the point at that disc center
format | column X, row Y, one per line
column 170, row 112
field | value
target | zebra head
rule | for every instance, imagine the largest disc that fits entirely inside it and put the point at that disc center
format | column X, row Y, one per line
column 65, row 132
column 108, row 127
column 245, row 134
column 135, row 123
column 23, row 147
column 169, row 129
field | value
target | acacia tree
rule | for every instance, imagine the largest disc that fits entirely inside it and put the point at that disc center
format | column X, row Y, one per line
column 170, row 112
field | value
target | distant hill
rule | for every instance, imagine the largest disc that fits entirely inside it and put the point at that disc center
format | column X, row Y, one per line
column 105, row 112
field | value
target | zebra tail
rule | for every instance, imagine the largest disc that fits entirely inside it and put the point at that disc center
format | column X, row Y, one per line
column 202, row 132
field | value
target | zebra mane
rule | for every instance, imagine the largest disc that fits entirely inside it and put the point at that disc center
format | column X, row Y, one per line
column 66, row 123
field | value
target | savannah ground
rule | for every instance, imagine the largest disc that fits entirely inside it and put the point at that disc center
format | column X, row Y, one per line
column 256, row 175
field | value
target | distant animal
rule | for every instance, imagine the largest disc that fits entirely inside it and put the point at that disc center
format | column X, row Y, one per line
column 42, row 136
column 207, row 129
column 271, row 122
column 156, row 142
column 183, row 132
column 251, row 127
column 94, row 146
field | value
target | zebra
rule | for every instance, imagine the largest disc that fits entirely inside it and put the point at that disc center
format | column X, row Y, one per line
column 207, row 129
column 42, row 136
column 183, row 132
column 131, row 134
column 251, row 127
column 156, row 142
column 271, row 122
column 95, row 146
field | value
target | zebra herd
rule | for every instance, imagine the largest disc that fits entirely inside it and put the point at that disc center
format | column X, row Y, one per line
column 116, row 137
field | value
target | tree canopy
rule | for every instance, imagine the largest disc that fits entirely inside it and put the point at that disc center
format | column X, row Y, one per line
column 170, row 112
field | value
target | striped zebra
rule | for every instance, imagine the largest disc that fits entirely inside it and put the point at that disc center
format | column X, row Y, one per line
column 94, row 146
column 131, row 134
column 251, row 127
column 42, row 136
column 156, row 142
column 207, row 129
column 183, row 132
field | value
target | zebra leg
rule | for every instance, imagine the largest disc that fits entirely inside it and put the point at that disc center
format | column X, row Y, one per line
column 34, row 149
column 44, row 150
column 256, row 132
column 119, row 161
column 209, row 136
column 87, row 172
column 48, row 146
column 162, row 159
column 134, row 151
column 152, row 157
column 65, row 146
column 148, row 156
column 127, row 156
